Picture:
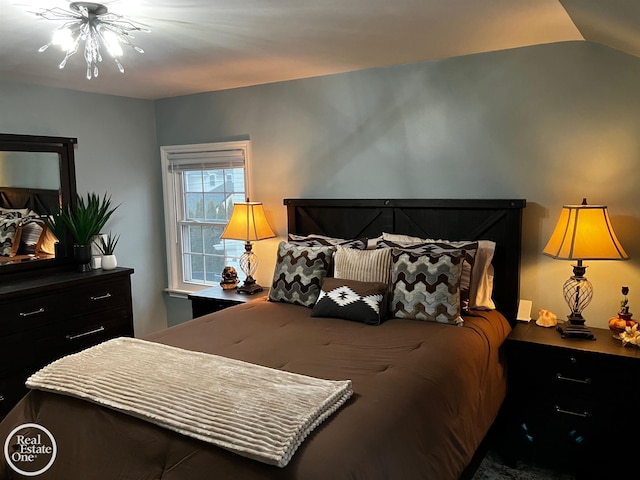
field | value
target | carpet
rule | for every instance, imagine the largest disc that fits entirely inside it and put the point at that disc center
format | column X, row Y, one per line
column 492, row 468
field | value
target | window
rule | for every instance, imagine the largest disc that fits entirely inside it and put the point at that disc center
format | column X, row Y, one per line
column 201, row 183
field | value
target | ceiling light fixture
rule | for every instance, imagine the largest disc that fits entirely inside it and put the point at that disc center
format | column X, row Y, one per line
column 92, row 24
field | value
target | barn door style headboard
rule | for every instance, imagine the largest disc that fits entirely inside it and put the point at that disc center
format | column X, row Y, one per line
column 448, row 219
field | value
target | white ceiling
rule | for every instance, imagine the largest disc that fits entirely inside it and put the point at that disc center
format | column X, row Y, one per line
column 205, row 45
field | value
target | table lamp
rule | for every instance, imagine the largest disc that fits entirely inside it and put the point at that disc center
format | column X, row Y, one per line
column 583, row 232
column 248, row 223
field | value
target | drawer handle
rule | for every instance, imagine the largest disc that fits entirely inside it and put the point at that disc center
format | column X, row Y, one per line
column 85, row 334
column 586, row 381
column 101, row 297
column 571, row 412
column 2, row 398
column 35, row 312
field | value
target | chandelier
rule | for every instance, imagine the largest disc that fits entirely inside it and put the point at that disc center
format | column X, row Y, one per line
column 100, row 31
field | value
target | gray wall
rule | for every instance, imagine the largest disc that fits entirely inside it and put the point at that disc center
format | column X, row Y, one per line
column 117, row 153
column 552, row 124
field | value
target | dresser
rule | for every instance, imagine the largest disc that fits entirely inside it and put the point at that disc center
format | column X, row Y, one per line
column 571, row 402
column 55, row 314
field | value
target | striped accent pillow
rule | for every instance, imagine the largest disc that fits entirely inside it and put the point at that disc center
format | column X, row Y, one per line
column 426, row 287
column 363, row 265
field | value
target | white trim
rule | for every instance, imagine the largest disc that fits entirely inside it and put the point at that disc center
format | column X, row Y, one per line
column 175, row 284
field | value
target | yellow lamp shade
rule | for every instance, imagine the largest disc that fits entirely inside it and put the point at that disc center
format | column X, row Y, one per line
column 248, row 222
column 584, row 232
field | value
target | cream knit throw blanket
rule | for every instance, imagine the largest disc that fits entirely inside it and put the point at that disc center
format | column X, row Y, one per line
column 255, row 411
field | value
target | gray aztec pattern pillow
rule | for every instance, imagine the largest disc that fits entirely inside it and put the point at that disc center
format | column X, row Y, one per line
column 299, row 273
column 314, row 240
column 426, row 287
column 351, row 300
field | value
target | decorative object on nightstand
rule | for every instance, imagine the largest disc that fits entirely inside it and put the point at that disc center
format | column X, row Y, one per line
column 249, row 223
column 583, row 232
column 229, row 278
column 623, row 326
column 546, row 319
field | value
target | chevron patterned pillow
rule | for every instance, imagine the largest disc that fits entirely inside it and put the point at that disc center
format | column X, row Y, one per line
column 299, row 273
column 426, row 286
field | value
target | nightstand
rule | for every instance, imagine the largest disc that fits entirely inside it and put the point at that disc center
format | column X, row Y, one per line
column 572, row 403
column 215, row 298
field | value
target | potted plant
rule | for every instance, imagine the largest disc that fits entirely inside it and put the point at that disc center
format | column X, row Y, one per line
column 107, row 247
column 84, row 222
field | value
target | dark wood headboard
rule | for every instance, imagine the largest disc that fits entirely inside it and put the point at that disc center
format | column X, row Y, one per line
column 456, row 219
column 39, row 200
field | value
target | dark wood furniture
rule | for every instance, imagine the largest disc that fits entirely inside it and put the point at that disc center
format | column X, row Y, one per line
column 570, row 401
column 47, row 316
column 215, row 298
column 42, row 201
column 452, row 219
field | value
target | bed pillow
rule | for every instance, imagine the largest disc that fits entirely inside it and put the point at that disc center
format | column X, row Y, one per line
column 10, row 231
column 351, row 300
column 31, row 236
column 13, row 212
column 299, row 273
column 314, row 240
column 363, row 265
column 426, row 286
column 477, row 271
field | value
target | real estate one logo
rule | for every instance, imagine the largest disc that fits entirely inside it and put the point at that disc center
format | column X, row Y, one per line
column 30, row 449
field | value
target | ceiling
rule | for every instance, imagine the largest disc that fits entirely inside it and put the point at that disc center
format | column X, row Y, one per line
column 205, row 45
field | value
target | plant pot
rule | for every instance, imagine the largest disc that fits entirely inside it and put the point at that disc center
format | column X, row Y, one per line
column 109, row 262
column 59, row 250
column 82, row 257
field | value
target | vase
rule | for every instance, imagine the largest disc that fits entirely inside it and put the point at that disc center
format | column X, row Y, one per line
column 82, row 257
column 109, row 262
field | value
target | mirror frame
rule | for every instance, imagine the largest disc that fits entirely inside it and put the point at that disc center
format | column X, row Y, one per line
column 64, row 147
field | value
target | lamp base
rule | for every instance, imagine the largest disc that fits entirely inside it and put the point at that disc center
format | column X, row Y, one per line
column 571, row 330
column 249, row 286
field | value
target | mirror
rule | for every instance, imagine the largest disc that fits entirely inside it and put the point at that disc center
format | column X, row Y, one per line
column 37, row 174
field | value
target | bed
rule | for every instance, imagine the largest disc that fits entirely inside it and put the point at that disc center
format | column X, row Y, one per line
column 425, row 393
column 23, row 235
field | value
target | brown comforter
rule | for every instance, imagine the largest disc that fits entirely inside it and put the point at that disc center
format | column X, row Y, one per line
column 425, row 395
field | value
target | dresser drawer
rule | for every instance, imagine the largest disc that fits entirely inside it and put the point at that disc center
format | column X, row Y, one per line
column 16, row 353
column 28, row 313
column 12, row 389
column 101, row 295
column 83, row 332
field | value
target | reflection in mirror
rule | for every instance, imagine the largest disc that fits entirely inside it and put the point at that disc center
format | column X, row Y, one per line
column 30, row 170
column 37, row 176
